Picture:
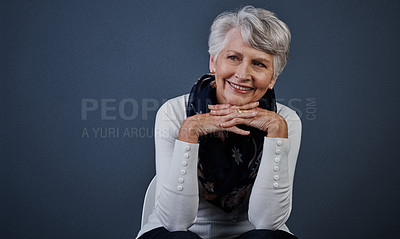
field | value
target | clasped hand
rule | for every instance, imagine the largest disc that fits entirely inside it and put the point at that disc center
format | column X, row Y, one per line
column 226, row 117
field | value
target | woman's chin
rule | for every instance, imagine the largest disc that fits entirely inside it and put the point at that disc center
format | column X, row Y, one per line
column 237, row 101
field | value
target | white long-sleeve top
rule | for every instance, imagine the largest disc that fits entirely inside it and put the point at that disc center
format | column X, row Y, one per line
column 178, row 206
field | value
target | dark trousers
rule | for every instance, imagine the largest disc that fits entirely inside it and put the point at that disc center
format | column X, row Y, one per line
column 162, row 233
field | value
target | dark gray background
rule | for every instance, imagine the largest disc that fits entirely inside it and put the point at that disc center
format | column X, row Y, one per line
column 57, row 184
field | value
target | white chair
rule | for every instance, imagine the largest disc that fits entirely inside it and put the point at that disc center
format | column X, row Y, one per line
column 149, row 201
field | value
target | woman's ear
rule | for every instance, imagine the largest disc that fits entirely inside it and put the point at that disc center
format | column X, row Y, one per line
column 212, row 64
column 272, row 83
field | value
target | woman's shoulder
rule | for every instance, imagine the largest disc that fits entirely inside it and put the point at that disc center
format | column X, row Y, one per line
column 179, row 102
column 175, row 107
column 288, row 114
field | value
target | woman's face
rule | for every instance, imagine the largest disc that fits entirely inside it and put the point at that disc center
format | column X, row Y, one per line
column 243, row 74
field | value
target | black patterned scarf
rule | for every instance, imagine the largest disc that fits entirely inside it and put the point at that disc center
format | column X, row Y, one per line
column 226, row 168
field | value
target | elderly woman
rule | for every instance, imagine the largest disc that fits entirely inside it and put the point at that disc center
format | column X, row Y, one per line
column 226, row 153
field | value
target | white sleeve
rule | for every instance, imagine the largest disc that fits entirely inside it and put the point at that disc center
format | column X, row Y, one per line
column 271, row 197
column 176, row 168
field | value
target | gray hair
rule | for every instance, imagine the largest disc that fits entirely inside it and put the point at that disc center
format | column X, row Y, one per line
column 260, row 29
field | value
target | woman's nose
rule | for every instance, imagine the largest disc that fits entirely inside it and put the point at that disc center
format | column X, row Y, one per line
column 243, row 71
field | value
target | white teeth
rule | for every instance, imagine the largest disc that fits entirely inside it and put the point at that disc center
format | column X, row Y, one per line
column 240, row 87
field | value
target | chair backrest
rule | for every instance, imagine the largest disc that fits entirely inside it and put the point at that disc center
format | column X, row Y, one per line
column 149, row 201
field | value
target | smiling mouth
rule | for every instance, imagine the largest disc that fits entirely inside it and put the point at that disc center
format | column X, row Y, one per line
column 239, row 87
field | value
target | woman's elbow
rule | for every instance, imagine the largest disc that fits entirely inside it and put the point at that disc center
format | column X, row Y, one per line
column 176, row 221
column 274, row 219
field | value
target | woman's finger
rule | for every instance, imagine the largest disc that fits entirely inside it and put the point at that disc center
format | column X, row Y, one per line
column 236, row 112
column 222, row 112
column 235, row 109
column 234, row 121
column 224, row 109
column 219, row 106
column 245, row 114
column 247, row 106
column 236, row 130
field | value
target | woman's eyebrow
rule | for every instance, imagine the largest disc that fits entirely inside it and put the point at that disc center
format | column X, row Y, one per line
column 261, row 59
column 233, row 52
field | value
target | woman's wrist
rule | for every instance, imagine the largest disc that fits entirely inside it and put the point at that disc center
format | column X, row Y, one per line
column 188, row 132
column 279, row 129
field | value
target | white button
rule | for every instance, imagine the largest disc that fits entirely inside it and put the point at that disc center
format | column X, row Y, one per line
column 278, row 151
column 276, row 177
column 181, row 180
column 186, row 156
column 279, row 142
column 183, row 172
column 277, row 159
column 180, row 188
column 276, row 168
column 184, row 163
column 187, row 148
column 276, row 185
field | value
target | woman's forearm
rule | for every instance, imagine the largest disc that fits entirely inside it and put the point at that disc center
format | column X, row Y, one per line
column 176, row 165
column 270, row 200
column 177, row 203
column 271, row 197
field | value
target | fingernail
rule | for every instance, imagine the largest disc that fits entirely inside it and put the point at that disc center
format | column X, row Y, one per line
column 255, row 112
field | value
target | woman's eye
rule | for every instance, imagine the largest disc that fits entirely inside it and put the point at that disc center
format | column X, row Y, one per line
column 256, row 63
column 232, row 57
